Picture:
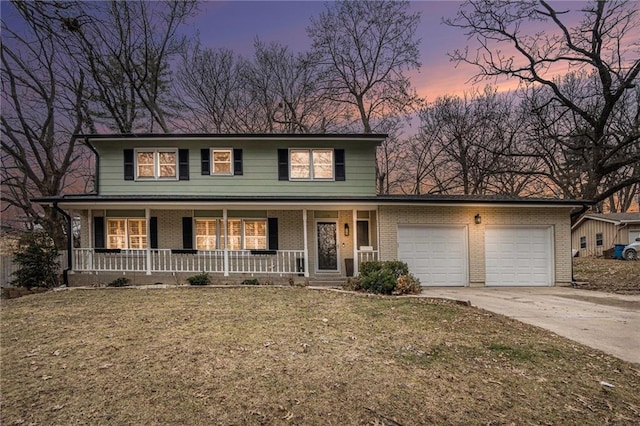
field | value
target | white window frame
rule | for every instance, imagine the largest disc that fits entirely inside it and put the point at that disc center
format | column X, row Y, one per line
column 156, row 163
column 310, row 152
column 243, row 234
column 600, row 241
column 215, row 235
column 583, row 242
column 127, row 234
column 212, row 164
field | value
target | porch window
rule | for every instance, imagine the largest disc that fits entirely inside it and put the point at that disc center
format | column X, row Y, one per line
column 126, row 233
column 311, row 164
column 222, row 161
column 255, row 234
column 156, row 164
column 234, row 234
column 599, row 242
column 206, row 234
column 247, row 234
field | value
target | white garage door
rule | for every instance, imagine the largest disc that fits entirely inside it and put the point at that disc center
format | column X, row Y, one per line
column 518, row 256
column 633, row 234
column 437, row 255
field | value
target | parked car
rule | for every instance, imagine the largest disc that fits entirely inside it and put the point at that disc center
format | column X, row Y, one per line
column 630, row 252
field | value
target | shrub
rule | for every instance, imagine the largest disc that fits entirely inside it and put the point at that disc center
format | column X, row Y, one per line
column 384, row 278
column 352, row 284
column 37, row 257
column 200, row 279
column 251, row 281
column 119, row 282
column 407, row 284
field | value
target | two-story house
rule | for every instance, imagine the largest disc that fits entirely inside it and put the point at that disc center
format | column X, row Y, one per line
column 276, row 206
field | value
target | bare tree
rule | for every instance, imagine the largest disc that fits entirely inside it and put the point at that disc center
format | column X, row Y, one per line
column 42, row 108
column 467, row 145
column 605, row 64
column 211, row 83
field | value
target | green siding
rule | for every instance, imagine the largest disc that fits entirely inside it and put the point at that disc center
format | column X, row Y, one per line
column 260, row 166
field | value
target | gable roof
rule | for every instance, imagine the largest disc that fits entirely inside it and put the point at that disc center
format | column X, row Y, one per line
column 355, row 137
column 613, row 218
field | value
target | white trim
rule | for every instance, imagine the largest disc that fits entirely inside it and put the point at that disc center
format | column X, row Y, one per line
column 212, row 163
column 226, row 246
column 147, row 217
column 312, row 177
column 156, row 164
column 457, row 226
column 306, row 242
column 354, row 220
column 551, row 254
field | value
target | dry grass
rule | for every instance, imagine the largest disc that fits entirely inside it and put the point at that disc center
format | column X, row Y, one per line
column 294, row 356
column 610, row 275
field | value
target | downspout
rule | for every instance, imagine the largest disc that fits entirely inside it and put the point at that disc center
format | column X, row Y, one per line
column 65, row 273
column 96, row 190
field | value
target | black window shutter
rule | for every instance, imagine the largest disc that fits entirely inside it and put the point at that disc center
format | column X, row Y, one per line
column 183, row 164
column 153, row 238
column 205, row 161
column 187, row 233
column 128, row 164
column 273, row 233
column 237, row 162
column 283, row 164
column 98, row 232
column 340, row 165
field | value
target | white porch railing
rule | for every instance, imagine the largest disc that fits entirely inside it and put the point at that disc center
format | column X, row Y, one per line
column 166, row 260
column 367, row 255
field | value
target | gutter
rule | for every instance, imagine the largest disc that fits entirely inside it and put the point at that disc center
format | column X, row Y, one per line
column 96, row 190
column 65, row 273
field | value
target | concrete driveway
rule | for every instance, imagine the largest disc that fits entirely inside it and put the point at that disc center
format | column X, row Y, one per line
column 608, row 322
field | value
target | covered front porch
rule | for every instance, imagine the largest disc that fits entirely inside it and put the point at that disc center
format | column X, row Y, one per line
column 321, row 242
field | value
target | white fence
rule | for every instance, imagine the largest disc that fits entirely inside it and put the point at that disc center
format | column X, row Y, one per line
column 8, row 267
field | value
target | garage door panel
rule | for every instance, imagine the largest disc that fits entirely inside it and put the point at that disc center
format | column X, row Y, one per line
column 436, row 255
column 518, row 256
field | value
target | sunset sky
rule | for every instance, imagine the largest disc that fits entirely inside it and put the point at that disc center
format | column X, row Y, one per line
column 235, row 24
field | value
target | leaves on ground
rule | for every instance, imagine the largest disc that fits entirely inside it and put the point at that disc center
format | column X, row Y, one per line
column 266, row 356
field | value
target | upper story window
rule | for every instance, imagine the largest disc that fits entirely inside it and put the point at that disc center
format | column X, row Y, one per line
column 311, row 164
column 222, row 160
column 156, row 163
column 599, row 242
column 126, row 233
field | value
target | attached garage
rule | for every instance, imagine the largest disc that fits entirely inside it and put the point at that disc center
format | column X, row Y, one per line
column 437, row 255
column 519, row 256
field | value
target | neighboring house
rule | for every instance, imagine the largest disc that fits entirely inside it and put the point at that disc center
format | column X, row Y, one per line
column 281, row 206
column 595, row 232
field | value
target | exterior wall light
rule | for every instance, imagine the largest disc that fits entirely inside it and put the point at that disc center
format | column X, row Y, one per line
column 346, row 229
column 478, row 219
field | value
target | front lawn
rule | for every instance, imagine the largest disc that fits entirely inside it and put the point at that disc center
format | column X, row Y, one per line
column 294, row 356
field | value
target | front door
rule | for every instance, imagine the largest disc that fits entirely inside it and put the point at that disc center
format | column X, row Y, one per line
column 326, row 234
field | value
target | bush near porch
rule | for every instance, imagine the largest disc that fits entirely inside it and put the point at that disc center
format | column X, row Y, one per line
column 384, row 277
column 293, row 356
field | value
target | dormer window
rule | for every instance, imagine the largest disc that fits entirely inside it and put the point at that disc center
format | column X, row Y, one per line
column 156, row 163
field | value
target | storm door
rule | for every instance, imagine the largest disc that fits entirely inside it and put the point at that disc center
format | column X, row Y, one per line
column 326, row 234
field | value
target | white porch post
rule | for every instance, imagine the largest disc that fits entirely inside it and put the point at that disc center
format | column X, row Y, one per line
column 147, row 216
column 89, row 243
column 356, row 265
column 226, row 242
column 306, row 243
